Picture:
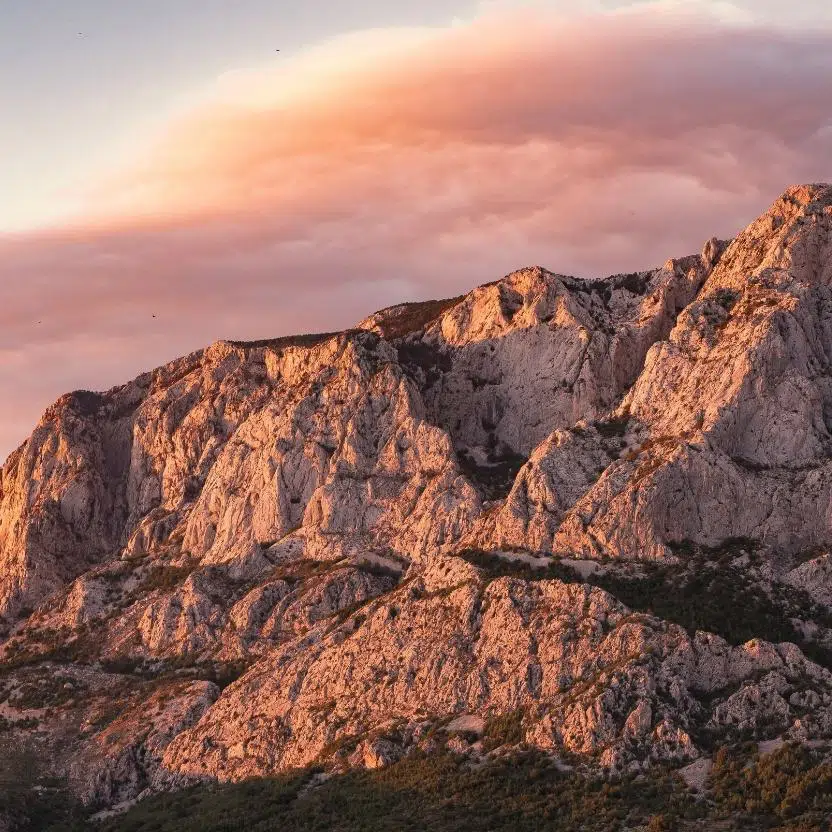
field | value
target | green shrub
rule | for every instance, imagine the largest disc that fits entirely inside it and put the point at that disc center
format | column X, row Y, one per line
column 505, row 729
column 790, row 789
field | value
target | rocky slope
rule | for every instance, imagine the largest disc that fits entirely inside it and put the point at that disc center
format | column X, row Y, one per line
column 418, row 533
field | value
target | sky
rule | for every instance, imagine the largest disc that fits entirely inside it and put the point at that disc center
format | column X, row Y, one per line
column 170, row 178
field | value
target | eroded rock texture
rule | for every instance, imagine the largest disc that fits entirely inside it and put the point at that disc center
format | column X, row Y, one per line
column 260, row 555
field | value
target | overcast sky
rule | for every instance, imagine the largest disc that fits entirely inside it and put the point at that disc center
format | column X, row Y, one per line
column 163, row 158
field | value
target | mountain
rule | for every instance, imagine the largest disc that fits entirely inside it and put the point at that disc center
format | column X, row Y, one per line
column 585, row 517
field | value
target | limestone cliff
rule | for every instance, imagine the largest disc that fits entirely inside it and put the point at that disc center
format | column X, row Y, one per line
column 338, row 547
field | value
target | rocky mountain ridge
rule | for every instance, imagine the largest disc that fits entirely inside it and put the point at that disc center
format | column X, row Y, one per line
column 443, row 528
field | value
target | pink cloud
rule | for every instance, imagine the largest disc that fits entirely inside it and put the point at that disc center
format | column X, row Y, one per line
column 410, row 165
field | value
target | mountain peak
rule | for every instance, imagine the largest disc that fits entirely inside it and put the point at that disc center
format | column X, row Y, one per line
column 816, row 194
column 593, row 511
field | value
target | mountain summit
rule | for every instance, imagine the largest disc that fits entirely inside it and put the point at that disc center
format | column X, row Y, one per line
column 588, row 516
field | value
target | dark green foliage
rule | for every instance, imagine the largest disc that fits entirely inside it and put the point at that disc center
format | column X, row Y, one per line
column 307, row 340
column 185, row 667
column 523, row 792
column 714, row 311
column 85, row 402
column 294, row 573
column 439, row 792
column 44, row 690
column 634, row 282
column 709, row 592
column 501, row 567
column 30, row 800
column 494, row 480
column 790, row 789
column 415, row 317
column 166, row 577
column 221, row 672
column 62, row 646
column 381, row 570
column 726, row 298
column 612, row 427
column 505, row 729
column 790, row 784
column 122, row 664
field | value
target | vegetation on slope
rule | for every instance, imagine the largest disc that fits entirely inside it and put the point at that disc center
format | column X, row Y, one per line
column 414, row 317
column 789, row 790
column 711, row 590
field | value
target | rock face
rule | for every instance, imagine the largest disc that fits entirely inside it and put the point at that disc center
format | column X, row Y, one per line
column 725, row 432
column 274, row 544
column 581, row 673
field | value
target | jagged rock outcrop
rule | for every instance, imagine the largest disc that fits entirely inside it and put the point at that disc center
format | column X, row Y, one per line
column 347, row 440
column 63, row 494
column 100, row 465
column 582, row 673
column 126, row 757
column 559, row 472
column 739, row 444
column 265, row 553
column 538, row 351
column 815, row 577
column 225, row 453
column 725, row 431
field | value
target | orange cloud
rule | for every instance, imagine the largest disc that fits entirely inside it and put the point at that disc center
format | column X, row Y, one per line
column 416, row 163
column 594, row 95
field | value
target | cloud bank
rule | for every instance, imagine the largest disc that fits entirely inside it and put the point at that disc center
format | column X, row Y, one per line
column 405, row 164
